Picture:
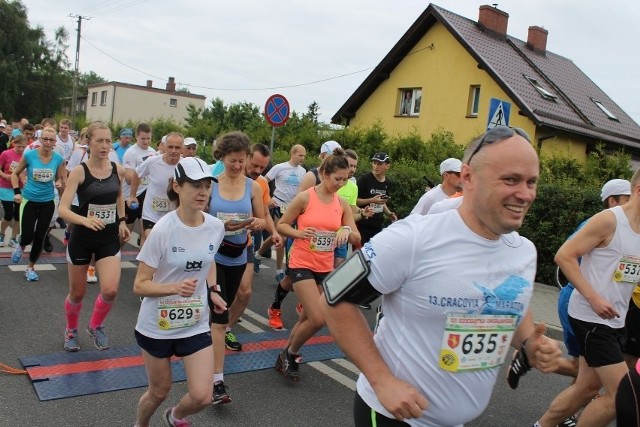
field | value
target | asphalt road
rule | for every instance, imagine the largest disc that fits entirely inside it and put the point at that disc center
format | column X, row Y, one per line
column 32, row 323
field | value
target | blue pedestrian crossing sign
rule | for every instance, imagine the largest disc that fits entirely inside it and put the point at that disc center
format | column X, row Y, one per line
column 499, row 112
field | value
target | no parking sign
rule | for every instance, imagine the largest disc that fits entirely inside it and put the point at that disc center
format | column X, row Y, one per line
column 276, row 110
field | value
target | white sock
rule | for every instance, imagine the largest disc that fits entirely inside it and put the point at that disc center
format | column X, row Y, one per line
column 537, row 424
column 218, row 377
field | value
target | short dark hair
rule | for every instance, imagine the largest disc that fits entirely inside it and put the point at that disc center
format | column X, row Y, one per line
column 143, row 127
column 232, row 142
column 260, row 148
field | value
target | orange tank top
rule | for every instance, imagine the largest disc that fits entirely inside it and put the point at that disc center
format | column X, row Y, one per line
column 316, row 254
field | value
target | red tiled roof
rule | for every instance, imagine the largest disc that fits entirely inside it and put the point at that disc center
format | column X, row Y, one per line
column 508, row 60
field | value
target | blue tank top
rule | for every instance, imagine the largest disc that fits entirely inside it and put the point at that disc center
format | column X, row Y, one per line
column 41, row 177
column 232, row 209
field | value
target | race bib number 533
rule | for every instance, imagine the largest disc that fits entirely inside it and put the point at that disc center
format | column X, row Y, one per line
column 475, row 341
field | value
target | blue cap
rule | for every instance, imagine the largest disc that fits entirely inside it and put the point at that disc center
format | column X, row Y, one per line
column 126, row 132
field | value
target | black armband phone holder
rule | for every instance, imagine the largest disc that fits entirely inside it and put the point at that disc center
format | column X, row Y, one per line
column 349, row 282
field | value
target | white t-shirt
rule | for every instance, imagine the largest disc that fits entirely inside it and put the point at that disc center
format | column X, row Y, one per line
column 287, row 179
column 179, row 252
column 78, row 156
column 67, row 146
column 445, row 205
column 133, row 157
column 428, row 199
column 452, row 284
column 612, row 271
column 157, row 173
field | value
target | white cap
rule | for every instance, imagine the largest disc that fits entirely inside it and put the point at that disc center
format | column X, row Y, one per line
column 193, row 169
column 615, row 187
column 190, row 141
column 329, row 146
column 450, row 165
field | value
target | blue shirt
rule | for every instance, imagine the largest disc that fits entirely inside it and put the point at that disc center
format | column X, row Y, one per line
column 120, row 150
column 40, row 176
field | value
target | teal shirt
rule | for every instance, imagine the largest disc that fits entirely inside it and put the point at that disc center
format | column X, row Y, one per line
column 41, row 177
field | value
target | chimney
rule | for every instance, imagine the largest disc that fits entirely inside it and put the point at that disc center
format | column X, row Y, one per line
column 171, row 85
column 493, row 19
column 537, row 38
column 149, row 83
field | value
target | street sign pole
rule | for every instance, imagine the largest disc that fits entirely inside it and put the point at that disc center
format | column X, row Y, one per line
column 273, row 137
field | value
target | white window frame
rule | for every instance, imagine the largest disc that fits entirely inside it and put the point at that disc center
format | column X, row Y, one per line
column 103, row 97
column 173, row 102
column 94, row 98
column 412, row 108
column 605, row 110
column 474, row 101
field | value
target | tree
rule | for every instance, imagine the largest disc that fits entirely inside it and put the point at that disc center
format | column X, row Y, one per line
column 86, row 79
column 33, row 71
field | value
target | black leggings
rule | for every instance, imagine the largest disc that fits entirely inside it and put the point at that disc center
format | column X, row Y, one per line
column 36, row 217
column 628, row 400
column 364, row 416
column 11, row 211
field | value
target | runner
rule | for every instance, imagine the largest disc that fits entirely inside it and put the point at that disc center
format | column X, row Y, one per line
column 156, row 171
column 450, row 173
column 237, row 200
column 9, row 160
column 324, row 221
column 99, row 224
column 45, row 173
column 177, row 279
column 438, row 349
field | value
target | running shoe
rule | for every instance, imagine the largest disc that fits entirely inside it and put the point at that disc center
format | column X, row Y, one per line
column 289, row 364
column 61, row 222
column 569, row 422
column 13, row 243
column 231, row 342
column 275, row 318
column 220, row 395
column 257, row 260
column 67, row 236
column 100, row 339
column 280, row 276
column 1, row 239
column 518, row 368
column 166, row 418
column 31, row 275
column 91, row 275
column 16, row 256
column 48, row 246
column 71, row 340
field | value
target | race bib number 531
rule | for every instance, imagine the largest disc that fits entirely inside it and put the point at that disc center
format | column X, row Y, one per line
column 475, row 341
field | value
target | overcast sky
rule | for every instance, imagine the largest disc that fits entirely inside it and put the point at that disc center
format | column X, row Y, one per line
column 319, row 51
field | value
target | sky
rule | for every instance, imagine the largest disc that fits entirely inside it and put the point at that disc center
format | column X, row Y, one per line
column 247, row 50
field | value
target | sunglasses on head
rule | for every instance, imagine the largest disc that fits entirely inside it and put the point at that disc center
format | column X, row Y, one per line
column 498, row 133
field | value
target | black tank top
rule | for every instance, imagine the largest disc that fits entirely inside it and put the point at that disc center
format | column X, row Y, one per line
column 98, row 197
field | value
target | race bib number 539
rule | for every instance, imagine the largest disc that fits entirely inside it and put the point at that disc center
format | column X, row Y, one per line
column 475, row 341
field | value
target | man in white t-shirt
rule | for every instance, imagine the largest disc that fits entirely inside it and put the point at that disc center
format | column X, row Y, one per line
column 449, row 319
column 157, row 170
column 609, row 248
column 450, row 173
column 287, row 177
column 64, row 139
column 133, row 157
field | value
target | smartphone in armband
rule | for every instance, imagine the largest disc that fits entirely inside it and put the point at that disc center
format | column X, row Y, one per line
column 349, row 282
column 244, row 222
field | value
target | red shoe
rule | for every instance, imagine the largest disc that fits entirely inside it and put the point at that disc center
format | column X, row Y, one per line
column 275, row 318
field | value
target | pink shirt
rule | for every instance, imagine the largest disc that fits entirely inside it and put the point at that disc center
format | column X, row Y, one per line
column 9, row 160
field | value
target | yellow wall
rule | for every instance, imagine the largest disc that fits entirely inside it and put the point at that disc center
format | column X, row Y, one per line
column 445, row 71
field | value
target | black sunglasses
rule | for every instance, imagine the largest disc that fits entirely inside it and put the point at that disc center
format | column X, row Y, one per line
column 498, row 133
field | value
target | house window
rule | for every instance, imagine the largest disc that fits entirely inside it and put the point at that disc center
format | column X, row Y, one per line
column 173, row 102
column 605, row 110
column 541, row 90
column 410, row 100
column 94, row 98
column 103, row 97
column 474, row 101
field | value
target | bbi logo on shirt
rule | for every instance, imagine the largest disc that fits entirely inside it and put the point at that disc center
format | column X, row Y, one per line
column 193, row 266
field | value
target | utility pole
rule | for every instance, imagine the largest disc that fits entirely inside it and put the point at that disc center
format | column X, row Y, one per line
column 74, row 94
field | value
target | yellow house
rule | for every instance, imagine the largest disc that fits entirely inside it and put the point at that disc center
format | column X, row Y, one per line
column 116, row 102
column 453, row 73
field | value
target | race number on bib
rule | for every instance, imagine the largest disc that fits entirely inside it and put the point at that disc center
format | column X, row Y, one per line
column 159, row 204
column 323, row 241
column 13, row 166
column 42, row 175
column 628, row 269
column 229, row 216
column 476, row 341
column 107, row 213
column 175, row 312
